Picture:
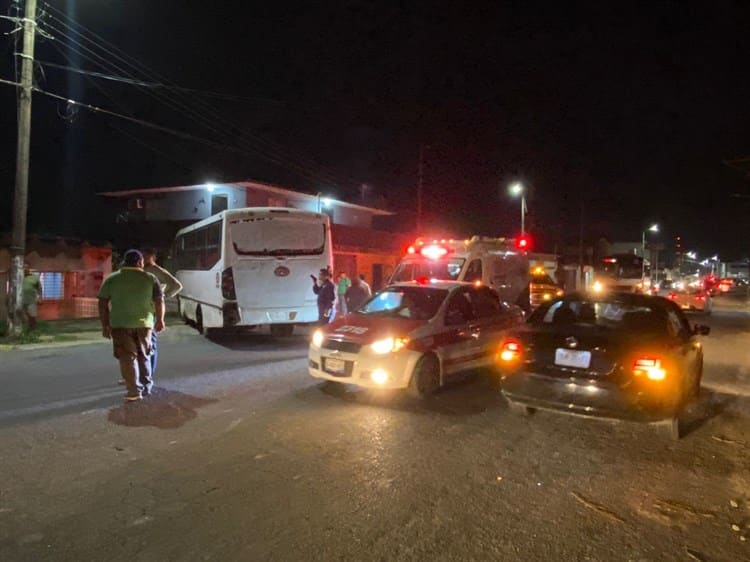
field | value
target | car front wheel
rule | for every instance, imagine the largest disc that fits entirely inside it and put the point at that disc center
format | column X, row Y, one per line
column 426, row 378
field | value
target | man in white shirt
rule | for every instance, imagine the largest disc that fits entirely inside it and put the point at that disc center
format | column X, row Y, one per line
column 170, row 286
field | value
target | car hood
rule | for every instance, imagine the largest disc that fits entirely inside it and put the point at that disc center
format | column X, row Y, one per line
column 367, row 328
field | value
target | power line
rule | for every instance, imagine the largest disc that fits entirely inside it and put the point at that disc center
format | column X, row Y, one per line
column 131, row 81
column 278, row 150
column 180, row 107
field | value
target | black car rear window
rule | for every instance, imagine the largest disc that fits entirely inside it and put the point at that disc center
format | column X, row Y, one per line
column 609, row 314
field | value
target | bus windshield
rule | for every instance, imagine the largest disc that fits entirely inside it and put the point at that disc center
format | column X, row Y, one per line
column 277, row 236
column 446, row 270
column 622, row 266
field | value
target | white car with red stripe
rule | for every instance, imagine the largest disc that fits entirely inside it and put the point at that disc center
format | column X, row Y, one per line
column 413, row 335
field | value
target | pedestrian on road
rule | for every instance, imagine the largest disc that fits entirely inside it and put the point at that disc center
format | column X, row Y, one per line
column 365, row 284
column 357, row 294
column 31, row 294
column 131, row 305
column 342, row 286
column 326, row 292
column 170, row 286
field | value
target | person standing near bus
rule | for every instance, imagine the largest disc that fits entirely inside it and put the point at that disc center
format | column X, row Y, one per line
column 342, row 286
column 357, row 294
column 326, row 292
column 131, row 305
column 31, row 293
column 170, row 287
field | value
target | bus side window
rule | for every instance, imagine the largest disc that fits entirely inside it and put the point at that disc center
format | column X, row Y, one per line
column 474, row 271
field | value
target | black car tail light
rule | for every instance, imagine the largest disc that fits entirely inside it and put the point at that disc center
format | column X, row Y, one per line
column 649, row 367
column 510, row 351
column 227, row 284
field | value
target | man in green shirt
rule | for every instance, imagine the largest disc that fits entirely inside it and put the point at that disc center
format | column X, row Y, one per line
column 342, row 286
column 131, row 305
column 31, row 292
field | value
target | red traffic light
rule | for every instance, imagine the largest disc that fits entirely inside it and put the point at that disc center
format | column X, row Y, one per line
column 523, row 242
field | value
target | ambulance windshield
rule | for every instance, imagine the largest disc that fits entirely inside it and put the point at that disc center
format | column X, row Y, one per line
column 445, row 269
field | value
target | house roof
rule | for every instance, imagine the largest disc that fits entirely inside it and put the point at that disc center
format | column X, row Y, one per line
column 243, row 184
column 741, row 164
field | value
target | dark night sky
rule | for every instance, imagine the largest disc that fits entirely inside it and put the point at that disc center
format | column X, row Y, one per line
column 628, row 111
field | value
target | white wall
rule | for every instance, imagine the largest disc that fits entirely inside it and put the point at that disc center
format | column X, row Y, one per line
column 190, row 205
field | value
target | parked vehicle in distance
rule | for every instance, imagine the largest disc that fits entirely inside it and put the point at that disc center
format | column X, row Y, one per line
column 413, row 336
column 615, row 355
column 494, row 262
column 542, row 287
column 692, row 299
column 624, row 273
column 731, row 285
column 251, row 267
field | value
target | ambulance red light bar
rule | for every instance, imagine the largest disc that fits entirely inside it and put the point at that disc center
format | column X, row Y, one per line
column 433, row 251
column 523, row 242
column 610, row 260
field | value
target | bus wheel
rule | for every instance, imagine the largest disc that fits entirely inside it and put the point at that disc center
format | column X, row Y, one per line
column 282, row 330
column 181, row 311
column 199, row 323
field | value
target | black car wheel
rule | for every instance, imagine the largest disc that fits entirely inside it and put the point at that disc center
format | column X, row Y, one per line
column 669, row 428
column 426, row 378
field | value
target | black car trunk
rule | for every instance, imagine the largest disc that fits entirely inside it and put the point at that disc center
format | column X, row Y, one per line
column 581, row 350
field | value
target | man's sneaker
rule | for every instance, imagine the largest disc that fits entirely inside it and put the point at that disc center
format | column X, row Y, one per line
column 132, row 398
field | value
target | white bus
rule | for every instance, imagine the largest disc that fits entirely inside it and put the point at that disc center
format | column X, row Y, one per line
column 251, row 267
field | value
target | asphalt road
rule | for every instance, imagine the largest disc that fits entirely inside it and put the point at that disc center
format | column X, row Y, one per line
column 241, row 456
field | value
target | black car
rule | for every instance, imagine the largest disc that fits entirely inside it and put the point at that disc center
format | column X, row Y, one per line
column 616, row 355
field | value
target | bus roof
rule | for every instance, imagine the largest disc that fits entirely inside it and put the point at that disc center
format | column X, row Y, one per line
column 249, row 211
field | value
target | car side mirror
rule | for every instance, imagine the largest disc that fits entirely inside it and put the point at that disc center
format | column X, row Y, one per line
column 701, row 330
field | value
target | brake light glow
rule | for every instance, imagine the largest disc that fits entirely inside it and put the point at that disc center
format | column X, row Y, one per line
column 649, row 367
column 672, row 296
column 433, row 252
column 700, row 297
column 510, row 351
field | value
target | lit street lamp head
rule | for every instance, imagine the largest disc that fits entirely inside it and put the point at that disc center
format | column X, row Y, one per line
column 516, row 189
column 653, row 228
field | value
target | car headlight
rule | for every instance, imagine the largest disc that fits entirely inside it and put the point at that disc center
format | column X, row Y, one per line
column 317, row 338
column 598, row 287
column 388, row 345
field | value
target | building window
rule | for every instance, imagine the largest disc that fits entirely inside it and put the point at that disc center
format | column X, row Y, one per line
column 52, row 285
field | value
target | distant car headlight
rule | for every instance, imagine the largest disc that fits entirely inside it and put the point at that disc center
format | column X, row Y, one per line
column 317, row 338
column 597, row 287
column 388, row 345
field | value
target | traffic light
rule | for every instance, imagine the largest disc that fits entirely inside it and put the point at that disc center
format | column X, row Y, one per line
column 523, row 242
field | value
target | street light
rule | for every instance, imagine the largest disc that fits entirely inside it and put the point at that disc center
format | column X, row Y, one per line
column 652, row 228
column 517, row 189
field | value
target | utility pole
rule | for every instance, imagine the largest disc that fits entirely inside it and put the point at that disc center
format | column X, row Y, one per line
column 420, row 173
column 20, row 201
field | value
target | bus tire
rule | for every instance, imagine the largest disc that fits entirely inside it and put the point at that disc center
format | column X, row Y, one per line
column 282, row 330
column 203, row 330
column 181, row 311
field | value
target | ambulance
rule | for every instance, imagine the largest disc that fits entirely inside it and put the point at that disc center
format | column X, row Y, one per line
column 493, row 262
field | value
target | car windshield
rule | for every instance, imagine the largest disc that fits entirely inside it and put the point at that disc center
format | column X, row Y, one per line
column 614, row 314
column 415, row 303
column 446, row 270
